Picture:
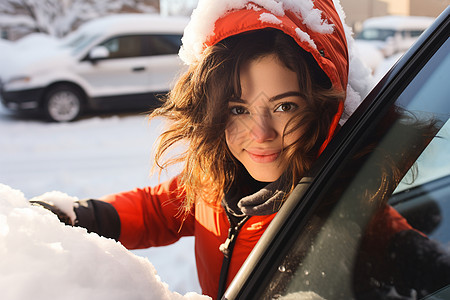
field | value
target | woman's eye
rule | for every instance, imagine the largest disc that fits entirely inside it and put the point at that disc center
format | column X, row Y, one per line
column 238, row 110
column 285, row 107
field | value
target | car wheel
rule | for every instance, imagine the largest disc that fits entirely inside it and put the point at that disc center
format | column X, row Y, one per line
column 63, row 103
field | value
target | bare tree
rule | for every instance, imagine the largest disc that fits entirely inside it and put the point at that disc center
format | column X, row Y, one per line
column 59, row 17
column 178, row 7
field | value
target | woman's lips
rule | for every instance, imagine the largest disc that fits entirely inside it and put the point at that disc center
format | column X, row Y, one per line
column 263, row 156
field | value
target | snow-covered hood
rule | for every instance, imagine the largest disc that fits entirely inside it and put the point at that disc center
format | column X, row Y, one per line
column 317, row 26
column 37, row 60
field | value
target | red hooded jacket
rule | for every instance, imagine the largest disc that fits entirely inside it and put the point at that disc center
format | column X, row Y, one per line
column 151, row 216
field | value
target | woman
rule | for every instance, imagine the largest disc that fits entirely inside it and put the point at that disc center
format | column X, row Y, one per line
column 263, row 96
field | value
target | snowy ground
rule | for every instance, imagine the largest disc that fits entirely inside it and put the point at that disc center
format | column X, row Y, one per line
column 87, row 159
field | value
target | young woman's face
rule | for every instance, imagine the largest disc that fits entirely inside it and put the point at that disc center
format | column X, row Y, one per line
column 254, row 134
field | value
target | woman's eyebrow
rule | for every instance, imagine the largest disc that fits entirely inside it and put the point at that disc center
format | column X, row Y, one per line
column 284, row 95
column 237, row 100
column 274, row 98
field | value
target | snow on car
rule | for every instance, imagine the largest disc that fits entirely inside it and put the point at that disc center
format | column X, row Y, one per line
column 44, row 259
column 384, row 36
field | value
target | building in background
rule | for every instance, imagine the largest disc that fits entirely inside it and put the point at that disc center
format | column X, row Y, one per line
column 359, row 10
column 57, row 18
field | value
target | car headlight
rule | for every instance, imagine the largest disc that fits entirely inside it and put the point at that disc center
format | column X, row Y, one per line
column 18, row 79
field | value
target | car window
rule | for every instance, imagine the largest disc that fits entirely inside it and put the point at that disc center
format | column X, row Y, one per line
column 78, row 41
column 375, row 34
column 142, row 45
column 355, row 245
column 415, row 33
column 125, row 46
column 164, row 44
column 433, row 163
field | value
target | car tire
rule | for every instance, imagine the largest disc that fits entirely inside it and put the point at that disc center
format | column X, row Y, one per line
column 63, row 103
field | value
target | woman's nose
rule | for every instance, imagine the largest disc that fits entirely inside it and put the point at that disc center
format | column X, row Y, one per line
column 262, row 129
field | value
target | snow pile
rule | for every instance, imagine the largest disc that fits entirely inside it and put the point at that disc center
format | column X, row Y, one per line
column 88, row 159
column 47, row 260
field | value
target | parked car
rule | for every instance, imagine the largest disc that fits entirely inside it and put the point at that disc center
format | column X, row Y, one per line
column 321, row 244
column 119, row 61
column 392, row 34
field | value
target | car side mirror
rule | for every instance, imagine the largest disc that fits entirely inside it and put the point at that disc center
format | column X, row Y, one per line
column 99, row 52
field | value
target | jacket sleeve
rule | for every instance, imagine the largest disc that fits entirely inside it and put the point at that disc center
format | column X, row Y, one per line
column 141, row 218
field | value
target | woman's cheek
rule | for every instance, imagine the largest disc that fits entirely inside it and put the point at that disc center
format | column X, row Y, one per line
column 235, row 132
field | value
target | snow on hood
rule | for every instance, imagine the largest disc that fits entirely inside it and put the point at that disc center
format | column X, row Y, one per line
column 7, row 51
column 33, row 60
column 48, row 260
column 202, row 25
column 36, row 40
column 33, row 54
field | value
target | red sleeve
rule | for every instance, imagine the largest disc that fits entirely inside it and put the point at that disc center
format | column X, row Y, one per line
column 390, row 222
column 384, row 225
column 151, row 216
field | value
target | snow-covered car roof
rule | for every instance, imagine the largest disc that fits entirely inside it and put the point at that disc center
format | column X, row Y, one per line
column 398, row 22
column 136, row 23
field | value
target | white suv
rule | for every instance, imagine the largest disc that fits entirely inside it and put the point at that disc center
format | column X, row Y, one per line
column 119, row 61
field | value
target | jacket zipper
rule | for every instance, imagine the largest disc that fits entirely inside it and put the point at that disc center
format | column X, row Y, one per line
column 227, row 249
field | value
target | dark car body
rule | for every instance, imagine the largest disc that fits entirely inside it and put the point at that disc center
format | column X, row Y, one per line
column 315, row 246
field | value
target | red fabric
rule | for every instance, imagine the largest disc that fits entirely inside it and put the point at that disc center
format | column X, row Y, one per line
column 383, row 226
column 151, row 216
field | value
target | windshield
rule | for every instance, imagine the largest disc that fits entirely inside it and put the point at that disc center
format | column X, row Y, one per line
column 78, row 41
column 375, row 34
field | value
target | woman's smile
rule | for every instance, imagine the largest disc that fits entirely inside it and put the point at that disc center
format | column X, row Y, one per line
column 263, row 156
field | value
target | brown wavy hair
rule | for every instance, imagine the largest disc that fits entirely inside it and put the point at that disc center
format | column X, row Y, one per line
column 197, row 110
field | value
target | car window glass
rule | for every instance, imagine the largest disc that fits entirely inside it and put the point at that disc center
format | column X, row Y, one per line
column 78, row 42
column 164, row 44
column 376, row 34
column 432, row 164
column 125, row 46
column 415, row 33
column 354, row 244
column 426, row 202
